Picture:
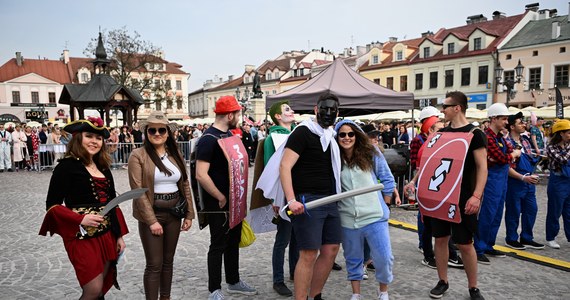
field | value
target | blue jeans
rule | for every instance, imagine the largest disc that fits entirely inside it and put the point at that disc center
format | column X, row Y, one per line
column 283, row 237
column 558, row 192
column 378, row 238
column 520, row 204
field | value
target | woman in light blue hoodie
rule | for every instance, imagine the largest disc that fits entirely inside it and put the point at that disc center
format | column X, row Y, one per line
column 364, row 218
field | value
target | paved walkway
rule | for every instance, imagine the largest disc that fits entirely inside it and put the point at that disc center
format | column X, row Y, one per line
column 37, row 267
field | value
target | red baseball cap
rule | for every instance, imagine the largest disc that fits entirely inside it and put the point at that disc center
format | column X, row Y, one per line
column 226, row 104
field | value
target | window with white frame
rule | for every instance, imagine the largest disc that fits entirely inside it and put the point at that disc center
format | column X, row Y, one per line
column 84, row 77
column 268, row 75
column 534, row 78
column 179, row 84
column 426, row 52
column 35, row 97
column 477, row 43
column 374, row 59
column 399, row 55
column 561, row 76
column 276, row 75
column 450, row 48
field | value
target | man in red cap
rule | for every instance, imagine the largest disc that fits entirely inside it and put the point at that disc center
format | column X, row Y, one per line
column 212, row 174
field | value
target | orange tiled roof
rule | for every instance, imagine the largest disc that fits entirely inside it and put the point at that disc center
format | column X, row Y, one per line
column 54, row 70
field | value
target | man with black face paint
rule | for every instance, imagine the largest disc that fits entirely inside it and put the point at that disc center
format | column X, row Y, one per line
column 309, row 170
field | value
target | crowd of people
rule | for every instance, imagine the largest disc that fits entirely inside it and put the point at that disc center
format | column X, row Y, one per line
column 499, row 173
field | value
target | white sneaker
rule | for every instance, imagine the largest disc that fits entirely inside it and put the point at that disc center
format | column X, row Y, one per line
column 216, row 295
column 356, row 297
column 553, row 244
column 365, row 275
column 383, row 296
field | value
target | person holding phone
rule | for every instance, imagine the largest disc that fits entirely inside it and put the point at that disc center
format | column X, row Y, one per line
column 79, row 188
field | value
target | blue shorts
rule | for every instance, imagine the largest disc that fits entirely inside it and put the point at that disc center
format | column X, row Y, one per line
column 319, row 227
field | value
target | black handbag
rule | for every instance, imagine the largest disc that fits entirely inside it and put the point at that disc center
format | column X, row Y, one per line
column 181, row 208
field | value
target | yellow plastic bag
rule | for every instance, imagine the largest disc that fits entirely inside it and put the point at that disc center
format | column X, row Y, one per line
column 247, row 235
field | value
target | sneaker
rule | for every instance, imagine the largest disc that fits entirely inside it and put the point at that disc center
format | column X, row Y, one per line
column 482, row 259
column 318, row 297
column 495, row 253
column 241, row 288
column 455, row 262
column 515, row 245
column 421, row 250
column 365, row 274
column 216, row 295
column 475, row 294
column 430, row 263
column 371, row 267
column 532, row 245
column 383, row 296
column 356, row 297
column 336, row 267
column 282, row 289
column 440, row 289
column 553, row 244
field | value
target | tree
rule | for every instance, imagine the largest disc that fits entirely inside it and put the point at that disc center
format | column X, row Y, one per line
column 135, row 63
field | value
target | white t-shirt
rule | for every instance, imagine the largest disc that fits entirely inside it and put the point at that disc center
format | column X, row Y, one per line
column 164, row 184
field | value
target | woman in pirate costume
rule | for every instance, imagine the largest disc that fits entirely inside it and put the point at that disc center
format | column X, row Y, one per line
column 80, row 187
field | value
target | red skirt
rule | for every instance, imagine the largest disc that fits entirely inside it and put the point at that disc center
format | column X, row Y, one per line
column 89, row 256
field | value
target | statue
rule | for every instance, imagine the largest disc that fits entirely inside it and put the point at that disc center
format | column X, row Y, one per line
column 256, row 90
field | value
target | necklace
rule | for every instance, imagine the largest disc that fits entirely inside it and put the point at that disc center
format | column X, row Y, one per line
column 91, row 167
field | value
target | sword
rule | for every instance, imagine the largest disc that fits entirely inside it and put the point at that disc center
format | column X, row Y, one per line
column 337, row 197
column 132, row 194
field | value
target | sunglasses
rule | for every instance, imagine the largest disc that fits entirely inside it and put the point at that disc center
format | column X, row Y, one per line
column 444, row 106
column 344, row 134
column 161, row 131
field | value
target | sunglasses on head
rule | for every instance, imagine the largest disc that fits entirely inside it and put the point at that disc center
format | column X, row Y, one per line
column 344, row 134
column 161, row 131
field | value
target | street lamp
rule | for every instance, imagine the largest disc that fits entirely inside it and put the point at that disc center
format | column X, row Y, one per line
column 243, row 101
column 509, row 83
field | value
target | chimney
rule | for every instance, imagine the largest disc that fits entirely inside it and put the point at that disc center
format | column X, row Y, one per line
column 498, row 15
column 427, row 33
column 65, row 56
column 543, row 14
column 230, row 78
column 392, row 39
column 19, row 59
column 476, row 19
column 555, row 30
column 533, row 6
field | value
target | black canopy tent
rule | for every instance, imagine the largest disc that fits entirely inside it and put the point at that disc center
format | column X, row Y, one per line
column 357, row 95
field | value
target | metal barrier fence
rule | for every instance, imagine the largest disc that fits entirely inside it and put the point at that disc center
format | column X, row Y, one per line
column 49, row 154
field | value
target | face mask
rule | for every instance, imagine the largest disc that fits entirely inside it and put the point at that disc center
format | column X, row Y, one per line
column 327, row 112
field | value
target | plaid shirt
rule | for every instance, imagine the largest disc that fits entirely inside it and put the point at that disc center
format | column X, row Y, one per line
column 496, row 156
column 558, row 156
column 526, row 144
column 415, row 146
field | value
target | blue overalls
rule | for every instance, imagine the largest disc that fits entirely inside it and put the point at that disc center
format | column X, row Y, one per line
column 558, row 192
column 491, row 212
column 521, row 202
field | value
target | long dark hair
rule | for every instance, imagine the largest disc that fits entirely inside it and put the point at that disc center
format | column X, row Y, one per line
column 171, row 149
column 556, row 137
column 75, row 149
column 363, row 152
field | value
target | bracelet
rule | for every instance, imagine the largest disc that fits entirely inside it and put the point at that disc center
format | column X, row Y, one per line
column 522, row 178
column 474, row 196
column 291, row 200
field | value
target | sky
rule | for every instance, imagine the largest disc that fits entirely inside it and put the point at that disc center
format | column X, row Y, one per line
column 219, row 37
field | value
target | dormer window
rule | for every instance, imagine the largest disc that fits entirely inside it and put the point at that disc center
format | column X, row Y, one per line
column 276, row 75
column 374, row 59
column 477, row 44
column 426, row 52
column 84, row 77
column 451, row 48
column 399, row 55
column 268, row 76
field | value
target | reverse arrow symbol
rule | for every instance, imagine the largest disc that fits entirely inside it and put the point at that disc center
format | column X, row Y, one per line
column 433, row 140
column 439, row 176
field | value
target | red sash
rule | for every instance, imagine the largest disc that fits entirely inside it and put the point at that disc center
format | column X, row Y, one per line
column 238, row 163
column 441, row 173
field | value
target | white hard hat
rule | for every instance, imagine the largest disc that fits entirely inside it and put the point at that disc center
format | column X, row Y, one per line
column 429, row 111
column 497, row 109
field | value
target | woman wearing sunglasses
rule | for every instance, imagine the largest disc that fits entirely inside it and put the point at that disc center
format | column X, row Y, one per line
column 364, row 218
column 159, row 166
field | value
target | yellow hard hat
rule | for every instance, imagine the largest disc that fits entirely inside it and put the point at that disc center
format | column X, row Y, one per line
column 561, row 125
